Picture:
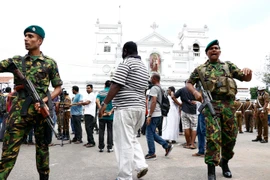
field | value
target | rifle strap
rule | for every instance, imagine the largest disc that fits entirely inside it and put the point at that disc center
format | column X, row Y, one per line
column 50, row 103
column 23, row 66
column 201, row 78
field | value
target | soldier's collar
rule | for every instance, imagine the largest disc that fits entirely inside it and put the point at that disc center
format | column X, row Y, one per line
column 218, row 61
column 41, row 56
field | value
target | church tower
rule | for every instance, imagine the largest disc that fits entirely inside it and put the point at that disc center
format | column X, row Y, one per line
column 108, row 51
column 194, row 40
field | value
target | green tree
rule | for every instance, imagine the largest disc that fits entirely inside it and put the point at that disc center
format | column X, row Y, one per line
column 253, row 92
column 264, row 75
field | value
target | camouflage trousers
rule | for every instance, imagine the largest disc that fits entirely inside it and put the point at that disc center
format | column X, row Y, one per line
column 16, row 128
column 220, row 140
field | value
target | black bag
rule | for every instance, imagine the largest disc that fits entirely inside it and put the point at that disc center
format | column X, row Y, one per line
column 165, row 103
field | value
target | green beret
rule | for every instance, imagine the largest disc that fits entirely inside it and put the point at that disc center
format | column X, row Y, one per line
column 35, row 29
column 212, row 43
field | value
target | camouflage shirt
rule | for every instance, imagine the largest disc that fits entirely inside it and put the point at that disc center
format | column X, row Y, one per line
column 40, row 71
column 213, row 71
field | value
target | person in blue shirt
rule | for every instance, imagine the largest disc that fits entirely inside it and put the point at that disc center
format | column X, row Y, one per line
column 77, row 112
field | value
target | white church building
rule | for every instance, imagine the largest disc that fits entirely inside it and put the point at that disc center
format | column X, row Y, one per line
column 174, row 61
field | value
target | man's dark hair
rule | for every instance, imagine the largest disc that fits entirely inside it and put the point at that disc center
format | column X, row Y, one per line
column 131, row 48
column 156, row 76
column 172, row 89
column 91, row 86
column 107, row 83
column 8, row 89
column 75, row 88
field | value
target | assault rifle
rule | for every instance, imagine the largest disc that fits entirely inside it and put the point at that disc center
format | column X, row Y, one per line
column 29, row 87
column 207, row 102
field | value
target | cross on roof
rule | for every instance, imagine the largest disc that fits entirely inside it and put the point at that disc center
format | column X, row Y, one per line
column 154, row 26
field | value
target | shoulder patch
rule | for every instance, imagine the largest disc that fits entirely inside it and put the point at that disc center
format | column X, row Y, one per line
column 17, row 57
column 229, row 62
column 49, row 58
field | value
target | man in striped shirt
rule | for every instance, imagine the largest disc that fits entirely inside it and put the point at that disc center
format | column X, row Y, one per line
column 128, row 93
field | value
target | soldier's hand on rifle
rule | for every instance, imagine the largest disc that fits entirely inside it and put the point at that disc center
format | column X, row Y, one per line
column 37, row 107
column 198, row 96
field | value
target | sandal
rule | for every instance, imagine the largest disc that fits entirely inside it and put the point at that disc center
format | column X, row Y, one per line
column 192, row 147
column 186, row 146
column 198, row 155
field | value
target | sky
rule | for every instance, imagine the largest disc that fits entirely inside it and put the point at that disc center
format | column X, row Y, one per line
column 241, row 26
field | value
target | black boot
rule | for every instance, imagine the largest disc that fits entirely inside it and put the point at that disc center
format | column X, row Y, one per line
column 211, row 172
column 66, row 135
column 139, row 133
column 225, row 168
column 43, row 176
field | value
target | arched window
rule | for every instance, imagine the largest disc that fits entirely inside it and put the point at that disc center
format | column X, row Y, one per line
column 196, row 49
column 107, row 47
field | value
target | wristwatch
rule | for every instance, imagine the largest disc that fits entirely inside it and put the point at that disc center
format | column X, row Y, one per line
column 103, row 104
column 149, row 115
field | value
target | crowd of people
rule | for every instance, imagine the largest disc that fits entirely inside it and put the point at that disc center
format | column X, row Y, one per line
column 131, row 103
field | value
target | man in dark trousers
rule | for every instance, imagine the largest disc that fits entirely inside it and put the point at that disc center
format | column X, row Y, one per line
column 41, row 70
column 105, row 120
column 76, row 111
column 218, row 78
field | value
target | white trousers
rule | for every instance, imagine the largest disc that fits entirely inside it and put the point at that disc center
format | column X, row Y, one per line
column 128, row 150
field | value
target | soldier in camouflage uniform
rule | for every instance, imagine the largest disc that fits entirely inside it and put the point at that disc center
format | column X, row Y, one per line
column 262, row 115
column 239, row 114
column 217, row 77
column 41, row 70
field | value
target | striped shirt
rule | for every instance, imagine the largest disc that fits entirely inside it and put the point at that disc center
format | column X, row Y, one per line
column 132, row 75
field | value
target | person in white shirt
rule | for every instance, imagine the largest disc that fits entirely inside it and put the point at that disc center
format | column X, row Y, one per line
column 89, row 115
column 171, row 122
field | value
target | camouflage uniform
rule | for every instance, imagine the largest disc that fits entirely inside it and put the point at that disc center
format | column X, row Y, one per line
column 248, row 113
column 219, row 140
column 262, row 116
column 239, row 114
column 41, row 71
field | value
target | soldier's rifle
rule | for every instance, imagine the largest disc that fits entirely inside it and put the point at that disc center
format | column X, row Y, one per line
column 29, row 87
column 207, row 97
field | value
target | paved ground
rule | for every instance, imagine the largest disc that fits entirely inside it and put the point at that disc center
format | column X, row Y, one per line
column 75, row 162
